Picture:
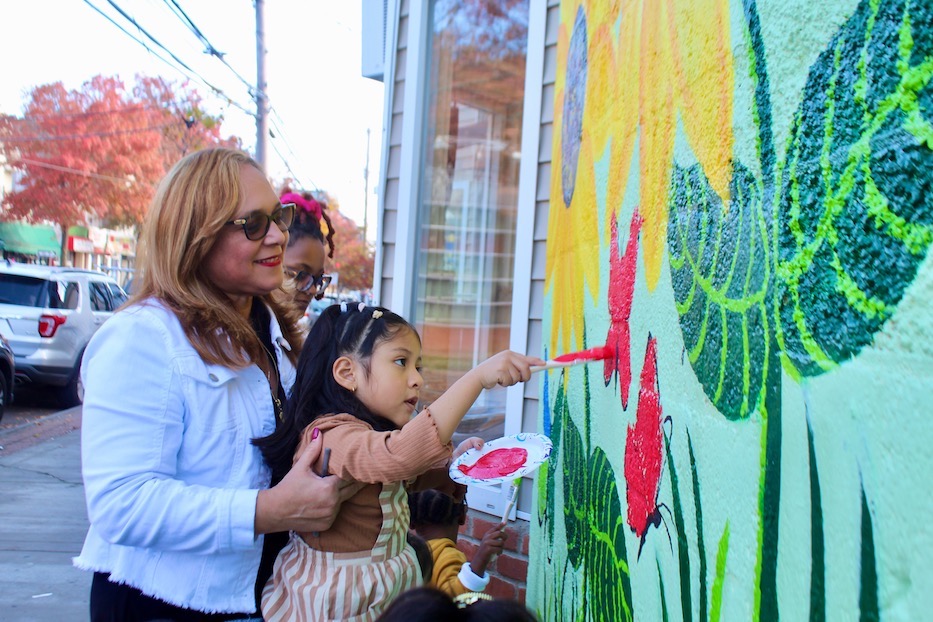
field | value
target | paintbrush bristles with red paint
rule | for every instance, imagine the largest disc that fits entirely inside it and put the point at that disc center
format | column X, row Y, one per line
column 575, row 358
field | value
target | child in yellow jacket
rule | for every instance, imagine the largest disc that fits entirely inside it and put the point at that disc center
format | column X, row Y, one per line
column 437, row 517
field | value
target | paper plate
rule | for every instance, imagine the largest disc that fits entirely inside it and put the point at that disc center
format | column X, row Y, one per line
column 501, row 460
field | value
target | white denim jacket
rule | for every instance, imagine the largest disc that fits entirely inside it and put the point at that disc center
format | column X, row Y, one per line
column 170, row 476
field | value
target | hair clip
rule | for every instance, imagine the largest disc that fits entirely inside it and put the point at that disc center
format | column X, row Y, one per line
column 343, row 306
column 361, row 306
column 468, row 598
column 377, row 314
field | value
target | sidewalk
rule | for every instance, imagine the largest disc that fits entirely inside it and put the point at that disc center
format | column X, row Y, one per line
column 42, row 525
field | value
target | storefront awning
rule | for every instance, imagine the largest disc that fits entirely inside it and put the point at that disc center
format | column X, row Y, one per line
column 35, row 240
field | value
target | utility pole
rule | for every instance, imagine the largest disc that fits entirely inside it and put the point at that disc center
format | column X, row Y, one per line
column 262, row 129
column 366, row 190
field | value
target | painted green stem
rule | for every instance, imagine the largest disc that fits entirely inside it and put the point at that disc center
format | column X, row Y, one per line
column 701, row 544
column 868, row 591
column 817, row 545
column 683, row 550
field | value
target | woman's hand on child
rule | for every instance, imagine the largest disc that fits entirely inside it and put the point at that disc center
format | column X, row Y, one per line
column 505, row 369
column 491, row 545
column 303, row 500
column 474, row 442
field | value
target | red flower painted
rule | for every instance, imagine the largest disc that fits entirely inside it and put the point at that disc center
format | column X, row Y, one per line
column 621, row 291
column 644, row 447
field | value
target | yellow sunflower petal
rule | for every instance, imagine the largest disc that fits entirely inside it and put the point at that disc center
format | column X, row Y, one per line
column 656, row 144
column 702, row 57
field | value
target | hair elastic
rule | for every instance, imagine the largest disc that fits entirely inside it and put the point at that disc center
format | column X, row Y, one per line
column 343, row 306
column 309, row 205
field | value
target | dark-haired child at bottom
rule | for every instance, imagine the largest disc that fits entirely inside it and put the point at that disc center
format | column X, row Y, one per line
column 437, row 517
column 359, row 382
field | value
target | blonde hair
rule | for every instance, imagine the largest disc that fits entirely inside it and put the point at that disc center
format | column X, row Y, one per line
column 193, row 201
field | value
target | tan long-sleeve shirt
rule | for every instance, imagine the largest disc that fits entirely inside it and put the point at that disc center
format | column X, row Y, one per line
column 361, row 454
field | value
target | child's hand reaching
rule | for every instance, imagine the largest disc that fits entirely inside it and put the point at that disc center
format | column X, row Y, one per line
column 491, row 545
column 474, row 442
column 505, row 369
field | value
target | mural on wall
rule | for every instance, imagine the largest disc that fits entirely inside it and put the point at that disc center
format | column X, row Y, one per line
column 769, row 296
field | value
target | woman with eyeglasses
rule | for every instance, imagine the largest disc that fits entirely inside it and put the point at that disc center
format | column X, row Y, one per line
column 307, row 249
column 176, row 386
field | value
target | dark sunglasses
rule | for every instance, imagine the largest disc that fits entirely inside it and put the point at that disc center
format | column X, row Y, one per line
column 256, row 225
column 305, row 281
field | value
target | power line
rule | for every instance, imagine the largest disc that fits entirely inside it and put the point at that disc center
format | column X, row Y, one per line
column 209, row 48
column 24, row 139
column 65, row 169
column 193, row 75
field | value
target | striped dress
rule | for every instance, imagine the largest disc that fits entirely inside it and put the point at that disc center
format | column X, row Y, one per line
column 311, row 585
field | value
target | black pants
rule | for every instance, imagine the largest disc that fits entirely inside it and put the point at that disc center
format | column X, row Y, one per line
column 113, row 602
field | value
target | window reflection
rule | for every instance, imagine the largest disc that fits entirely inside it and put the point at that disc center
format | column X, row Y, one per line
column 469, row 193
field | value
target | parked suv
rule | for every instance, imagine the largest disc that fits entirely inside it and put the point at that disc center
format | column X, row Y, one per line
column 7, row 365
column 48, row 314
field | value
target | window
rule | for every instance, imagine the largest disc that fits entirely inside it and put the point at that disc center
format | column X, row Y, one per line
column 117, row 294
column 468, row 199
column 63, row 295
column 22, row 290
column 100, row 297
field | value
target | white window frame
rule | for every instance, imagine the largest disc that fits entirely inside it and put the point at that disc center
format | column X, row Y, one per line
column 490, row 499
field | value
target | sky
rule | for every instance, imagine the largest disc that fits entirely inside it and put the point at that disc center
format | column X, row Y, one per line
column 321, row 105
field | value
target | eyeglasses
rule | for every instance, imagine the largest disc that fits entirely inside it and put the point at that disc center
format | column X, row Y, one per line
column 256, row 225
column 305, row 281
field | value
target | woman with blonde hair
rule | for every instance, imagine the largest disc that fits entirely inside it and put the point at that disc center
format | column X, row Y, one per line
column 176, row 385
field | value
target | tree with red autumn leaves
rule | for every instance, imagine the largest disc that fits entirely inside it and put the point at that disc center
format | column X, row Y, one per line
column 96, row 154
column 354, row 257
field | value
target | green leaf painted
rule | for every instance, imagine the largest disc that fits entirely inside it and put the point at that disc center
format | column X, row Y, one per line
column 868, row 590
column 547, row 474
column 595, row 528
column 817, row 544
column 683, row 548
column 855, row 209
column 715, row 612
column 664, row 615
column 701, row 542
column 720, row 269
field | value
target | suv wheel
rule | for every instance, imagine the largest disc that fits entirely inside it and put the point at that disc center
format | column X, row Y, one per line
column 72, row 394
column 4, row 394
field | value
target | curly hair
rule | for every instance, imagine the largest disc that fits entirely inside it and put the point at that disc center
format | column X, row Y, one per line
column 433, row 507
column 308, row 216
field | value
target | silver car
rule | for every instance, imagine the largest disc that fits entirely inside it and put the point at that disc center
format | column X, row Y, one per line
column 49, row 314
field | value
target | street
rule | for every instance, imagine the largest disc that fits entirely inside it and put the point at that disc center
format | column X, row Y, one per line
column 32, row 417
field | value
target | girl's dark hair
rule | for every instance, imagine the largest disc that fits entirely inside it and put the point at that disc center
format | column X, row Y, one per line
column 354, row 332
column 433, row 507
column 307, row 225
column 421, row 604
column 498, row 610
column 423, row 553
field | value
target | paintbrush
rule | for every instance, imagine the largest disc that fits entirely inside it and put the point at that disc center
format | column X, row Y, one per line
column 575, row 358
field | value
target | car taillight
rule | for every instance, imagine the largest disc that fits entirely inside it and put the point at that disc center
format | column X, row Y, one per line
column 48, row 324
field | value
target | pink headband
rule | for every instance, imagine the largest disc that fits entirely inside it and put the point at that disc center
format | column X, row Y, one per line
column 309, row 205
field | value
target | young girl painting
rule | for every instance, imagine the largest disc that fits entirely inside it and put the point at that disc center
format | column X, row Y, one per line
column 359, row 382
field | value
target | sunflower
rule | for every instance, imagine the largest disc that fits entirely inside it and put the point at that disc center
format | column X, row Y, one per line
column 626, row 71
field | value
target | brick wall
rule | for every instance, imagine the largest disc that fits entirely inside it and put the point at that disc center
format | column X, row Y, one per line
column 509, row 571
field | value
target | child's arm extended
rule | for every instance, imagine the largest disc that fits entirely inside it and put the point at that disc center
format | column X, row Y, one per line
column 503, row 369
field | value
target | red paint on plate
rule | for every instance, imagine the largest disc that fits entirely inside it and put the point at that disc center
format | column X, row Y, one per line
column 497, row 463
